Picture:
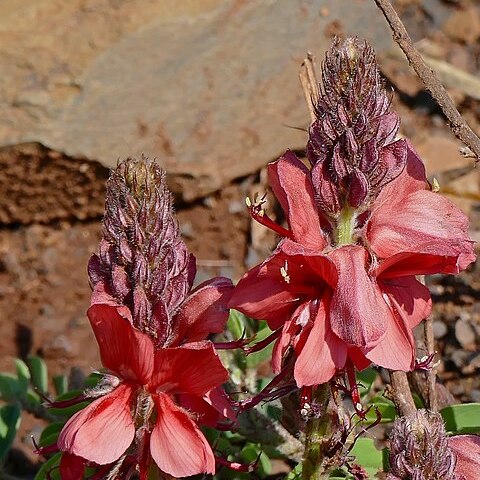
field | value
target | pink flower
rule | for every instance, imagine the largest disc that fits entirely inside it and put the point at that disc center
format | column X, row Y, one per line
column 467, row 451
column 146, row 405
column 344, row 289
column 151, row 327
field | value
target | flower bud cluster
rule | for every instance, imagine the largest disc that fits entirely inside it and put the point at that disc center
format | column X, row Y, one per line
column 419, row 448
column 142, row 260
column 351, row 143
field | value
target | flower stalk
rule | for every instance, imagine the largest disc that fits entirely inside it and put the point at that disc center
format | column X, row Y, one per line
column 317, row 431
column 345, row 226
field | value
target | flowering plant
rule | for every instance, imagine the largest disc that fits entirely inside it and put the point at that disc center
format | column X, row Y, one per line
column 339, row 295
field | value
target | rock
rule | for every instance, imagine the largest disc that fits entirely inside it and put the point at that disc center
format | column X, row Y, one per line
column 472, row 365
column 439, row 329
column 475, row 395
column 209, row 87
column 59, row 347
column 41, row 185
column 464, row 25
column 455, row 174
column 465, row 334
column 459, row 358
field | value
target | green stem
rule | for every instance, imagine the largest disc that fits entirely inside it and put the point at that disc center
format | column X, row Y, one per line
column 316, row 437
column 345, row 226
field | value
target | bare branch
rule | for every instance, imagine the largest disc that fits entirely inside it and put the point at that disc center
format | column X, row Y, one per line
column 401, row 394
column 458, row 125
column 308, row 79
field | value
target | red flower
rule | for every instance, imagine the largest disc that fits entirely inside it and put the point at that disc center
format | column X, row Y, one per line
column 146, row 405
column 345, row 288
column 467, row 451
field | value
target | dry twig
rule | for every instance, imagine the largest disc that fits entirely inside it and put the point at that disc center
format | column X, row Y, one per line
column 308, row 79
column 458, row 125
column 401, row 394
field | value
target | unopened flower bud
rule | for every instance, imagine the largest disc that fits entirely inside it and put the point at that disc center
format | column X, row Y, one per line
column 419, row 449
column 142, row 261
column 351, row 144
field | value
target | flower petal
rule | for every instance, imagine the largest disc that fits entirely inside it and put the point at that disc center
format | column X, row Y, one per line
column 103, row 430
column 204, row 311
column 322, row 353
column 210, row 409
column 176, row 370
column 290, row 181
column 411, row 179
column 219, row 400
column 327, row 191
column 467, row 450
column 71, row 467
column 413, row 297
column 408, row 218
column 177, row 446
column 272, row 290
column 358, row 312
column 396, row 350
column 407, row 264
column 289, row 330
column 123, row 349
column 424, row 222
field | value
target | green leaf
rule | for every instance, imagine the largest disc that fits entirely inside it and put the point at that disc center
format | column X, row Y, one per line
column 23, row 375
column 10, row 417
column 365, row 378
column 296, row 473
column 386, row 460
column 368, row 456
column 464, row 418
column 236, row 323
column 249, row 454
column 60, row 383
column 385, row 407
column 9, row 388
column 339, row 474
column 265, row 464
column 50, row 432
column 33, row 398
column 49, row 468
column 265, row 354
column 38, row 369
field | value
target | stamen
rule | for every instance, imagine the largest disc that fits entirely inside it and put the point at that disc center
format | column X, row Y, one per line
column 263, row 343
column 426, row 362
column 284, row 272
column 239, row 467
column 258, row 213
column 240, row 343
column 354, row 394
column 272, row 391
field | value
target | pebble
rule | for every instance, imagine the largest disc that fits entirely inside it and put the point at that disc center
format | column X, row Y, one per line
column 457, row 389
column 465, row 334
column 186, row 229
column 59, row 347
column 235, row 206
column 459, row 358
column 475, row 395
column 472, row 364
column 439, row 329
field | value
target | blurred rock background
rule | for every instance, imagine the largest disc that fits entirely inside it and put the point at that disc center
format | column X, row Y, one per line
column 210, row 88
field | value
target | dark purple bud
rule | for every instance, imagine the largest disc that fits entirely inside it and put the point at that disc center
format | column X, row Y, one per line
column 419, row 449
column 142, row 262
column 353, row 127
